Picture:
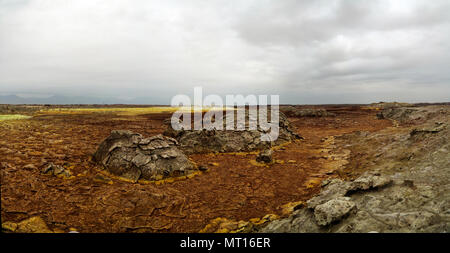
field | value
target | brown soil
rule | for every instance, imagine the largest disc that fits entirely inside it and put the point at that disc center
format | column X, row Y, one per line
column 235, row 187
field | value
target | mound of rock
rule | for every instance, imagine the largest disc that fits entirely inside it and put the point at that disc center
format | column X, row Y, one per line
column 413, row 115
column 204, row 141
column 385, row 105
column 131, row 156
column 401, row 114
column 305, row 112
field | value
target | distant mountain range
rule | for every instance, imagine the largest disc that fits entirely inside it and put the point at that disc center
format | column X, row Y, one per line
column 59, row 99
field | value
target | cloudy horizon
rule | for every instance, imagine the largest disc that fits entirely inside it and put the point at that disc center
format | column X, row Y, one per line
column 308, row 52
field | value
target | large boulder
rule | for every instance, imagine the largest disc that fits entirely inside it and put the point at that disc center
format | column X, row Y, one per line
column 214, row 140
column 133, row 157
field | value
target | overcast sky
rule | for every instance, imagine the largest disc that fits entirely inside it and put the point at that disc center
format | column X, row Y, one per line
column 305, row 51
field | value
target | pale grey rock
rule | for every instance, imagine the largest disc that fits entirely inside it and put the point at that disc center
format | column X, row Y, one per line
column 334, row 189
column 333, row 210
column 369, row 181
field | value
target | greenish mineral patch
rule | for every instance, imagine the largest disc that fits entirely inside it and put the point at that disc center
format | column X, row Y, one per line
column 13, row 117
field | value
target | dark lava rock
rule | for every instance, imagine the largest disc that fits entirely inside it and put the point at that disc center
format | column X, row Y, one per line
column 99, row 178
column 202, row 168
column 133, row 157
column 265, row 156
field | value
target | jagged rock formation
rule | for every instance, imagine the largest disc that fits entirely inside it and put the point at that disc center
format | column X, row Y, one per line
column 204, row 141
column 132, row 156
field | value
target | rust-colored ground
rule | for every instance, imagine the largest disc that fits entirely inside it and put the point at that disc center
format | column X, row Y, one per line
column 234, row 187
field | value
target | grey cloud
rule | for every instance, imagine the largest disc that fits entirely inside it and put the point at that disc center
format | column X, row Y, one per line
column 306, row 51
column 358, row 46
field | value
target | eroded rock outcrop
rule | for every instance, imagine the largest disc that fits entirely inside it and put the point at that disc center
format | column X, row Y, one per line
column 293, row 111
column 401, row 114
column 352, row 207
column 385, row 105
column 204, row 141
column 133, row 157
column 413, row 115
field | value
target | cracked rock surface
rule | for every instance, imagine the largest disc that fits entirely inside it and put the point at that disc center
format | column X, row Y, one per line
column 133, row 157
column 214, row 140
column 333, row 210
column 405, row 186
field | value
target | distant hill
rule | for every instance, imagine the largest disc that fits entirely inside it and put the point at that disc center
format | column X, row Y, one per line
column 11, row 99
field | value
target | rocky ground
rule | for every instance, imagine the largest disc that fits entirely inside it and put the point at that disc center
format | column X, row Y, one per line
column 405, row 181
column 357, row 169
